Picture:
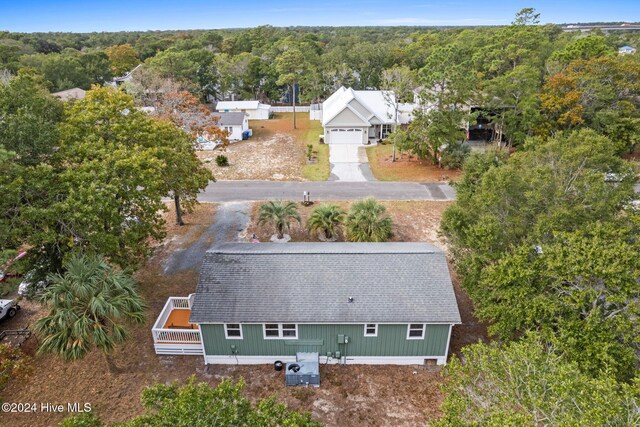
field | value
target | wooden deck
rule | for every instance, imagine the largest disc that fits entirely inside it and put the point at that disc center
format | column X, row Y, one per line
column 172, row 332
column 179, row 319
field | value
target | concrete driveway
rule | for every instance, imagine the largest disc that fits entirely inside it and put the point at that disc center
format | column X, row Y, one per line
column 349, row 163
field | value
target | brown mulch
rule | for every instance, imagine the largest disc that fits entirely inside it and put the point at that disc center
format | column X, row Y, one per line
column 406, row 168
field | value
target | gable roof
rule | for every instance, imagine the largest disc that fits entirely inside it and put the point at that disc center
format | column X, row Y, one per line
column 127, row 76
column 378, row 103
column 240, row 105
column 230, row 119
column 311, row 283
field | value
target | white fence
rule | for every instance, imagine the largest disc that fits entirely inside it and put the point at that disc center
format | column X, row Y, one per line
column 315, row 112
column 171, row 340
column 289, row 109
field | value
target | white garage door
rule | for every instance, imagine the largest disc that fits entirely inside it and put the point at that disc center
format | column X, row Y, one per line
column 346, row 136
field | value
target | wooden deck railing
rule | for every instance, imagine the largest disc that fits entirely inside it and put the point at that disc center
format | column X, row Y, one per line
column 175, row 340
column 168, row 336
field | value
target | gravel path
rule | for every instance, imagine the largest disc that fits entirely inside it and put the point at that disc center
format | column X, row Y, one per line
column 232, row 219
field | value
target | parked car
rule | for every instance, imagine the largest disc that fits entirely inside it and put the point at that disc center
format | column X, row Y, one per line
column 8, row 308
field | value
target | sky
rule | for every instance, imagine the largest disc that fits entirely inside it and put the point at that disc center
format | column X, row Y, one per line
column 118, row 15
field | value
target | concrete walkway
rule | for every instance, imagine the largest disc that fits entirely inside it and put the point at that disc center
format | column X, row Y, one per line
column 228, row 191
column 349, row 163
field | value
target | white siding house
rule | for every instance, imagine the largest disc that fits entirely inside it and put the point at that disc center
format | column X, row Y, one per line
column 254, row 109
column 235, row 123
column 357, row 116
column 627, row 50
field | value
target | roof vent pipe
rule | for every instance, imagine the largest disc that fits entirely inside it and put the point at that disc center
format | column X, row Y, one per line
column 350, row 299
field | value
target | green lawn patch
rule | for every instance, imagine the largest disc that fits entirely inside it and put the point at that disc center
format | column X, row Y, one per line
column 317, row 171
column 375, row 155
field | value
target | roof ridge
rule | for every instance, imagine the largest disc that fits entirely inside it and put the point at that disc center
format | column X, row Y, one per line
column 305, row 248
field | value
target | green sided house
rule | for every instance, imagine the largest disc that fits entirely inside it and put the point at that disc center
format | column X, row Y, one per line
column 359, row 303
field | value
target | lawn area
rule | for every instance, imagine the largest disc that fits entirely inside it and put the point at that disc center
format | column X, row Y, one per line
column 318, row 171
column 405, row 169
column 275, row 152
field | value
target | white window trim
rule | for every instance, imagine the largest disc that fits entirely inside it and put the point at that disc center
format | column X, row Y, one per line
column 280, row 333
column 226, row 332
column 424, row 331
column 375, row 334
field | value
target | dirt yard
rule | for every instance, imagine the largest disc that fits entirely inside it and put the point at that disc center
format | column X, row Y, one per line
column 348, row 396
column 413, row 221
column 275, row 152
column 405, row 169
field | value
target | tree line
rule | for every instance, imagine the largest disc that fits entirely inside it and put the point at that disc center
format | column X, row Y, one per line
column 525, row 79
column 545, row 240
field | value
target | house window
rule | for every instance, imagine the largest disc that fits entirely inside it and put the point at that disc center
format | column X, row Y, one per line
column 371, row 330
column 386, row 130
column 415, row 331
column 233, row 331
column 228, row 129
column 280, row 331
column 272, row 330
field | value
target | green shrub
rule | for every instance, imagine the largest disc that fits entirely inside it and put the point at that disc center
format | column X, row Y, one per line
column 368, row 222
column 222, row 160
column 454, row 155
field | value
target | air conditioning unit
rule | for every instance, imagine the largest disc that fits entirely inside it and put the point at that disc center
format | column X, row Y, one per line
column 304, row 371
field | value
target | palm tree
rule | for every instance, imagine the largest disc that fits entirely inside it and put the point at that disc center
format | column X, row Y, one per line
column 89, row 305
column 328, row 219
column 279, row 214
column 367, row 222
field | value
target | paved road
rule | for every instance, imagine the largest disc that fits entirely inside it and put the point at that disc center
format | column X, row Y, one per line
column 232, row 191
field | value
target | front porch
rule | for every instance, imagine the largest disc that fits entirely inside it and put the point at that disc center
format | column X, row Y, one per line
column 379, row 132
column 173, row 333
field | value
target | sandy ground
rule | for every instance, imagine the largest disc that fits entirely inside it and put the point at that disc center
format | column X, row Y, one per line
column 349, row 396
column 228, row 224
column 414, row 221
column 275, row 152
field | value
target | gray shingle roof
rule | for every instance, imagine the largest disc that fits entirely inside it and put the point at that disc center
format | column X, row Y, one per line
column 229, row 119
column 311, row 283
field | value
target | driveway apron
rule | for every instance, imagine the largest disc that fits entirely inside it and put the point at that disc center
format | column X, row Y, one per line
column 349, row 163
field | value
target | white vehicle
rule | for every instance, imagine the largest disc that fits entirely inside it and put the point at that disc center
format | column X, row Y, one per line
column 8, row 308
column 27, row 285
